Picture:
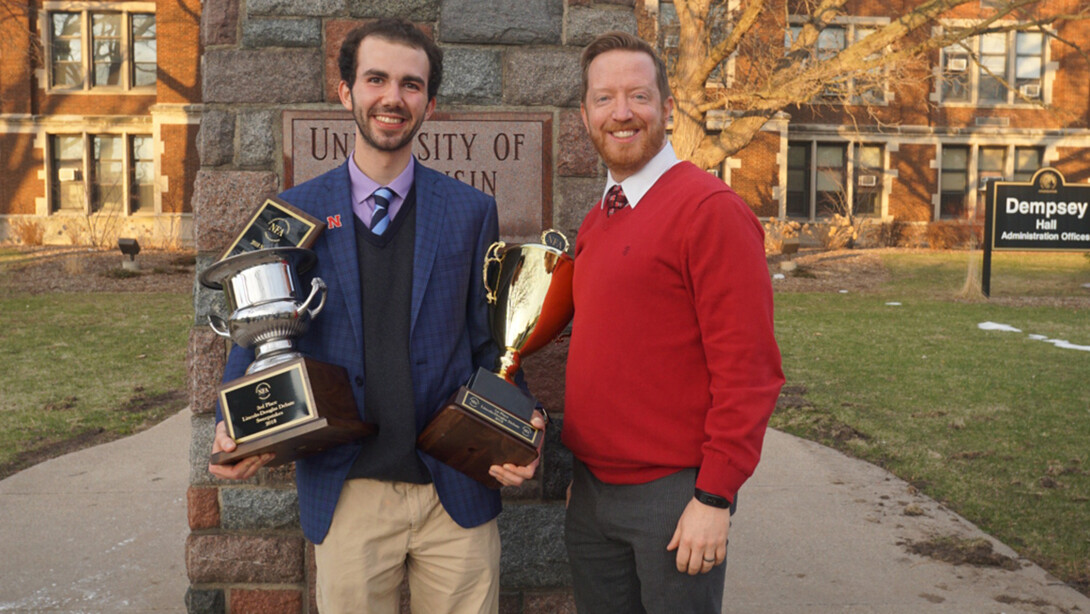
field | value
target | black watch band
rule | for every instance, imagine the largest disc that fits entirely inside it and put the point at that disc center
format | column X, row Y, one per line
column 713, row 500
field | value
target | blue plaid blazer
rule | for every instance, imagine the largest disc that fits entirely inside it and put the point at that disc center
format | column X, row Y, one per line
column 449, row 335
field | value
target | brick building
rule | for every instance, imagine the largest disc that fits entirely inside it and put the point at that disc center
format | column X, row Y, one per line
column 99, row 110
column 920, row 147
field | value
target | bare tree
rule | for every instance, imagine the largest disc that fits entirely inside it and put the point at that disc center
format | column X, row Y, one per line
column 780, row 63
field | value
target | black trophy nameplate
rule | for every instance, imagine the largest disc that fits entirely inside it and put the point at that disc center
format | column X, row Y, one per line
column 275, row 223
column 270, row 404
column 292, row 410
column 485, row 423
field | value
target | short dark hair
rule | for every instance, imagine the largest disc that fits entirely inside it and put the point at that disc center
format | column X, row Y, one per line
column 611, row 41
column 397, row 31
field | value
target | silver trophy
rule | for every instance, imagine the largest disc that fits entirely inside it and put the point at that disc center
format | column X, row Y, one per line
column 287, row 403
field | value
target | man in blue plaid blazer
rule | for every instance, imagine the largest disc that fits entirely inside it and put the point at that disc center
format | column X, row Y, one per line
column 406, row 315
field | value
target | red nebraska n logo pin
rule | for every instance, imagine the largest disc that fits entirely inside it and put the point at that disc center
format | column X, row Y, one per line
column 333, row 221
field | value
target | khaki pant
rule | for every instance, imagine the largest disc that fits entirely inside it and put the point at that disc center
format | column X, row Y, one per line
column 380, row 530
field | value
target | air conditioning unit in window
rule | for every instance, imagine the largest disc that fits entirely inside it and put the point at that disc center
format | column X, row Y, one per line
column 957, row 64
column 1031, row 90
column 69, row 174
column 868, row 181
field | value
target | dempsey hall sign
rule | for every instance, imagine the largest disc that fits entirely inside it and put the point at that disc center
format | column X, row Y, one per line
column 1044, row 213
column 506, row 155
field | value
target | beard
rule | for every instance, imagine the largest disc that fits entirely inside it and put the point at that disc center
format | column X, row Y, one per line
column 626, row 159
column 384, row 142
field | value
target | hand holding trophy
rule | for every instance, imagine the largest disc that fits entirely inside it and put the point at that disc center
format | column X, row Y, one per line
column 287, row 404
column 487, row 421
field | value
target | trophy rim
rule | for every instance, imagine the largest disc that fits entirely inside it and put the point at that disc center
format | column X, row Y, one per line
column 301, row 259
column 511, row 247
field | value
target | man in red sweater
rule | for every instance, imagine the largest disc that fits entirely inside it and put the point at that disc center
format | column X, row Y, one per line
column 673, row 369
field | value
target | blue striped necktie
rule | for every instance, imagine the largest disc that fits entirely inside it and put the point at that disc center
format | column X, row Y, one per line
column 379, row 219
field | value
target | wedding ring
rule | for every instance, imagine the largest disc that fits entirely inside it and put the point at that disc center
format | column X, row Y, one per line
column 712, row 560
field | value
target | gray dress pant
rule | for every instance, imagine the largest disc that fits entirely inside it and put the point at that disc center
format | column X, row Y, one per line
column 616, row 537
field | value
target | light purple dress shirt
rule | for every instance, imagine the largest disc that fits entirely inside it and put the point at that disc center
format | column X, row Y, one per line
column 363, row 205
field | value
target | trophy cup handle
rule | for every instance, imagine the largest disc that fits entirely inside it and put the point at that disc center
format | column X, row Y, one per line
column 316, row 286
column 492, row 256
column 217, row 324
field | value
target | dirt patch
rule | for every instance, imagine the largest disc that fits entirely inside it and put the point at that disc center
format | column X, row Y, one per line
column 828, row 271
column 958, row 551
column 40, row 270
column 154, row 409
column 793, row 408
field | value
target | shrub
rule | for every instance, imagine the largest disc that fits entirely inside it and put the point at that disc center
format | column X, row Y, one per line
column 28, row 232
column 891, row 234
column 776, row 231
column 954, row 234
column 839, row 232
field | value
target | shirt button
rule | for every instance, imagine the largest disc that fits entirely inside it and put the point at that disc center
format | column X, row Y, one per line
column 359, row 381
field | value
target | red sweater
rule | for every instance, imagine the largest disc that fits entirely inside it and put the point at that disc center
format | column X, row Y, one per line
column 673, row 363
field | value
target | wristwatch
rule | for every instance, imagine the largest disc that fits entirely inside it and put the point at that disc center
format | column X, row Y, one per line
column 713, row 500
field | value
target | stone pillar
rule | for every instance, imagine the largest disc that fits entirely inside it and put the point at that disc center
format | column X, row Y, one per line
column 245, row 552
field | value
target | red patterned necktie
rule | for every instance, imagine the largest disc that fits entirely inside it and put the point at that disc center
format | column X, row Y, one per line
column 615, row 200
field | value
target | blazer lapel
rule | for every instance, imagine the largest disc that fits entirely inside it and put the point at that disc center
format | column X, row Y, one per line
column 429, row 226
column 342, row 247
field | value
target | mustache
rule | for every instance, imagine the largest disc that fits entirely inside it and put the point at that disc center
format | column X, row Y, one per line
column 387, row 110
column 632, row 125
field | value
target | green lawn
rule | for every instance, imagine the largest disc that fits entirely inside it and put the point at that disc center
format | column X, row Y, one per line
column 995, row 424
column 87, row 367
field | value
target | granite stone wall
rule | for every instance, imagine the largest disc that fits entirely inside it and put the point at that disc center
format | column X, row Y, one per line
column 245, row 551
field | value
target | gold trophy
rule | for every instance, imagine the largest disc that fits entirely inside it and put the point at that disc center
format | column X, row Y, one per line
column 487, row 421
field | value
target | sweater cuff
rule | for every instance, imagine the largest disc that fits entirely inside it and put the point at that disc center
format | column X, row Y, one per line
column 719, row 477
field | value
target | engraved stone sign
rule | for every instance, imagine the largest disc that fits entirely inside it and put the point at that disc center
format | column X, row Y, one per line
column 505, row 155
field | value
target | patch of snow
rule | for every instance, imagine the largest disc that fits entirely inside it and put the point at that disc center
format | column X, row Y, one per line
column 996, row 326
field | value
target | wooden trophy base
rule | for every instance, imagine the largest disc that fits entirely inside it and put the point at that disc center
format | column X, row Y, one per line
column 294, row 409
column 472, row 433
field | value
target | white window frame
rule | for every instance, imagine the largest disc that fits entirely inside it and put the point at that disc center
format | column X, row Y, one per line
column 975, row 182
column 970, row 50
column 85, row 10
column 87, row 173
column 851, row 162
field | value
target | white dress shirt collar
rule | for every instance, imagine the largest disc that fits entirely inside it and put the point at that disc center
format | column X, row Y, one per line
column 637, row 186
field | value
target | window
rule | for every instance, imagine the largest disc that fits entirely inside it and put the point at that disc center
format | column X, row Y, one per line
column 985, row 69
column 107, row 180
column 954, row 186
column 66, row 50
column 983, row 164
column 798, row 180
column 866, row 88
column 1029, row 63
column 818, row 184
column 66, row 186
column 102, row 49
column 1027, row 161
column 990, row 165
column 993, row 68
column 120, row 169
column 868, row 180
column 831, row 182
column 143, row 174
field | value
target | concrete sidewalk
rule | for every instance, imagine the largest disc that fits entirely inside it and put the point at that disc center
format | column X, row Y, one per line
column 103, row 531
